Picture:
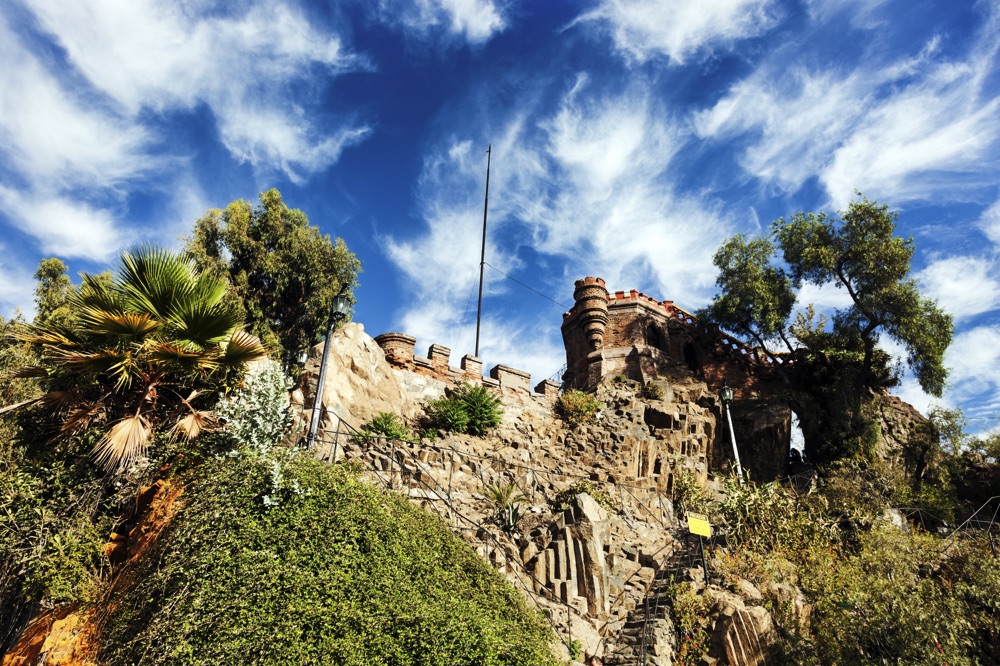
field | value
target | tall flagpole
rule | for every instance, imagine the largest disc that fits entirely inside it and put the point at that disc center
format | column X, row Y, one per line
column 482, row 256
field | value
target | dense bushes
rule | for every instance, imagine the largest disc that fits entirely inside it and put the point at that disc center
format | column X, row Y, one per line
column 54, row 521
column 577, row 407
column 339, row 572
column 880, row 594
column 385, row 425
column 468, row 409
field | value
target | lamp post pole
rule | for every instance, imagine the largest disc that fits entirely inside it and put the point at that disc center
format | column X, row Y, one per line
column 726, row 395
column 341, row 304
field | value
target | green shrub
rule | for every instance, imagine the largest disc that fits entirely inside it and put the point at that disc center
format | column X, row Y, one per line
column 690, row 613
column 447, row 413
column 688, row 494
column 54, row 523
column 768, row 518
column 482, row 406
column 564, row 498
column 387, row 425
column 257, row 414
column 468, row 409
column 651, row 391
column 577, row 406
column 342, row 573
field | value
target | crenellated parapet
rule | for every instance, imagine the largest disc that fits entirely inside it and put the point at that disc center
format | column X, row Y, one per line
column 632, row 334
column 399, row 352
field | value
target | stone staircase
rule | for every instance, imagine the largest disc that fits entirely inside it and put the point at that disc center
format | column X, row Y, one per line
column 649, row 637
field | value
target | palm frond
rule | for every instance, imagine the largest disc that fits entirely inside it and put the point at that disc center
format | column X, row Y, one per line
column 100, row 360
column 96, row 292
column 191, row 425
column 153, row 279
column 18, row 405
column 242, row 348
column 79, row 416
column 128, row 325
column 209, row 289
column 59, row 401
column 48, row 337
column 123, row 444
column 203, row 324
column 28, row 372
column 182, row 358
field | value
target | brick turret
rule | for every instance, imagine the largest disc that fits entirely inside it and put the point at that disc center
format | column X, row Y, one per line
column 591, row 308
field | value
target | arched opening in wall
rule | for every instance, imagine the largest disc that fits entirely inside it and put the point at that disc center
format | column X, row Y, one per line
column 670, row 484
column 691, row 358
column 797, row 442
column 654, row 337
column 658, row 467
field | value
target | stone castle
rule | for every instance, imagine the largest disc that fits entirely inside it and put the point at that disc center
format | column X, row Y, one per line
column 631, row 335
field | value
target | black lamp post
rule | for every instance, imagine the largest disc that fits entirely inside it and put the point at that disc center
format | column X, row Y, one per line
column 726, row 395
column 341, row 304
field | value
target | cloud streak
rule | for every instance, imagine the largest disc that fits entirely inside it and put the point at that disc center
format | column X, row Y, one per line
column 679, row 29
column 898, row 128
column 254, row 70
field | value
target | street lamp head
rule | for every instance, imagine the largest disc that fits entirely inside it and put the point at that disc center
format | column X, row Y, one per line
column 303, row 356
column 726, row 393
column 341, row 305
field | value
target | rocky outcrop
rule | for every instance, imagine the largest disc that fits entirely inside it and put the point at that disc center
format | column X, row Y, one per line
column 741, row 634
column 573, row 561
column 359, row 381
column 591, row 570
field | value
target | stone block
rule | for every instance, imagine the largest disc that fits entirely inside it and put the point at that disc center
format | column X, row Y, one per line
column 473, row 367
column 511, row 380
column 439, row 356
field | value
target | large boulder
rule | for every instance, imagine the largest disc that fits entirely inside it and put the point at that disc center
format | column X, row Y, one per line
column 359, row 381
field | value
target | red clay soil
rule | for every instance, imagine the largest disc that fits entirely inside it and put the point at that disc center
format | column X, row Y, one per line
column 66, row 637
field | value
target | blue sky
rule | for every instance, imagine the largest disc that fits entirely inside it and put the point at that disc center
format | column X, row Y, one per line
column 629, row 139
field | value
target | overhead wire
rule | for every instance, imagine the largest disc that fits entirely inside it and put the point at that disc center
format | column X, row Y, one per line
column 528, row 287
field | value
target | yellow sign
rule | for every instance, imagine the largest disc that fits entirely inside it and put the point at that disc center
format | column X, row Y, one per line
column 698, row 524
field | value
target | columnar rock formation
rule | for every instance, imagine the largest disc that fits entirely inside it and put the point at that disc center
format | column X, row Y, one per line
column 593, row 569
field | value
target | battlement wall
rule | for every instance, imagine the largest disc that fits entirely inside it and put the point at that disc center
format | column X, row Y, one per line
column 631, row 333
column 399, row 352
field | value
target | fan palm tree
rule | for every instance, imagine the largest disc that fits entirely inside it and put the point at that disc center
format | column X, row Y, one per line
column 147, row 345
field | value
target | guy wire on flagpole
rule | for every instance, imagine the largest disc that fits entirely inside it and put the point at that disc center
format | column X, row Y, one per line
column 482, row 256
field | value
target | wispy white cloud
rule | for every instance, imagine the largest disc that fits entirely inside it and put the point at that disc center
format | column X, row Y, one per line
column 585, row 188
column 963, row 286
column 475, row 21
column 974, row 359
column 990, row 223
column 53, row 135
column 680, row 29
column 64, row 227
column 902, row 128
column 16, row 286
column 799, row 120
column 254, row 70
column 863, row 13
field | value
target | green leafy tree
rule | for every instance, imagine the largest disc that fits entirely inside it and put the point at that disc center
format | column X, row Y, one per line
column 145, row 349
column 832, row 372
column 52, row 293
column 282, row 270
